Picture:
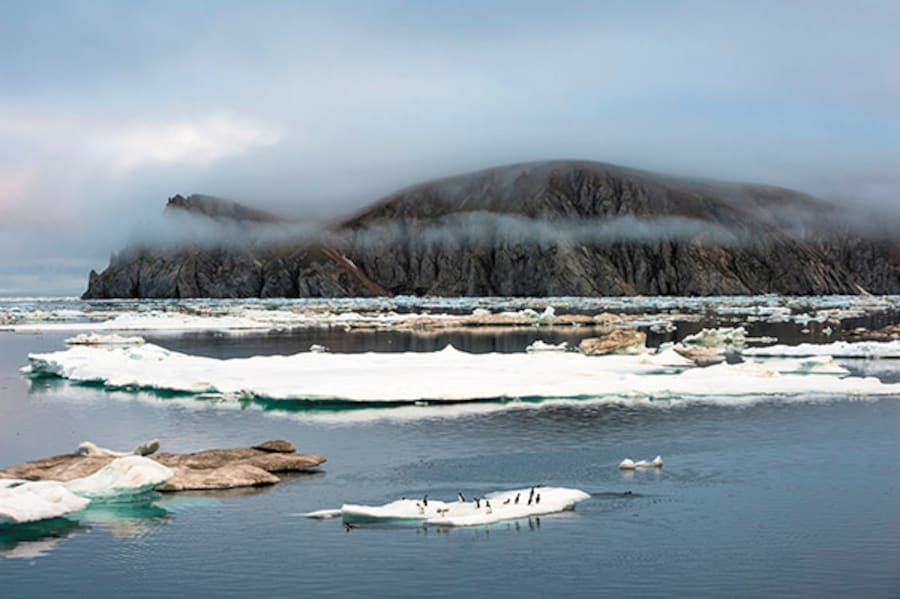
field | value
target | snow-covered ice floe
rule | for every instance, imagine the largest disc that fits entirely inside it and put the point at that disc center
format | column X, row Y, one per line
column 838, row 349
column 22, row 501
column 98, row 339
column 448, row 375
column 493, row 507
column 122, row 479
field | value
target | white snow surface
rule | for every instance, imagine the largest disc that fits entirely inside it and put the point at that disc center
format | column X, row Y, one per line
column 447, row 375
column 493, row 507
column 838, row 349
column 98, row 339
column 33, row 501
column 122, row 478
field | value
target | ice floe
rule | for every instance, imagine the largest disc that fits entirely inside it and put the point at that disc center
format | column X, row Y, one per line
column 539, row 346
column 97, row 339
column 629, row 464
column 22, row 501
column 838, row 349
column 447, row 375
column 493, row 507
column 122, row 479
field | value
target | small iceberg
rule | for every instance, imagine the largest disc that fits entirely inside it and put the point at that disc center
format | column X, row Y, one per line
column 629, row 464
column 22, row 501
column 493, row 507
column 122, row 479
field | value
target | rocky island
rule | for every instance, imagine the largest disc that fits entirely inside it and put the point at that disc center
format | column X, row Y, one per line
column 564, row 228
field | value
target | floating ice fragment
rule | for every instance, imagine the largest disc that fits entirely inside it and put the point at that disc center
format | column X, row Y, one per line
column 629, row 464
column 837, row 349
column 540, row 346
column 22, row 501
column 97, row 339
column 493, row 507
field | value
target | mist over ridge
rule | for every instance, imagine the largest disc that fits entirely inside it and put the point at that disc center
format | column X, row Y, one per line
column 548, row 228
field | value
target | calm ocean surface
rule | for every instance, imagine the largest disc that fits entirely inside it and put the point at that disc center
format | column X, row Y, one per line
column 769, row 500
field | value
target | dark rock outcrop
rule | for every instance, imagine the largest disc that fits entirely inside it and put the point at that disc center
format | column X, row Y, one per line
column 553, row 228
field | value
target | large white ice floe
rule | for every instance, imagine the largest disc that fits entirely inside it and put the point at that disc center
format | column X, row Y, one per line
column 22, row 501
column 838, row 349
column 448, row 375
column 493, row 507
column 122, row 479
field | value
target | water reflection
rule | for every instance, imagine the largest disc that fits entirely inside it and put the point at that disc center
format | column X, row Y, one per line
column 37, row 539
column 122, row 520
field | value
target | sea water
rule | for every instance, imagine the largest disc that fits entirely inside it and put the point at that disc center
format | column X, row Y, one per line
column 767, row 499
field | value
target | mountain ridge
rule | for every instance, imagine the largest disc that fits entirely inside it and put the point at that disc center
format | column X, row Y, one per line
column 541, row 228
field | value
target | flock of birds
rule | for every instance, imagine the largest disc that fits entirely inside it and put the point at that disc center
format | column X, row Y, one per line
column 533, row 497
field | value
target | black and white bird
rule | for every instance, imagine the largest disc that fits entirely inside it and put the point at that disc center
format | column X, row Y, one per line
column 425, row 500
column 537, row 499
column 477, row 504
column 517, row 499
column 462, row 498
column 487, row 505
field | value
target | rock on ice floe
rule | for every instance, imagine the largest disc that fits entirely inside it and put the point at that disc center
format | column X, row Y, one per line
column 207, row 470
column 122, row 478
column 410, row 377
column 97, row 339
column 86, row 448
column 617, row 341
column 25, row 501
column 629, row 464
column 491, row 508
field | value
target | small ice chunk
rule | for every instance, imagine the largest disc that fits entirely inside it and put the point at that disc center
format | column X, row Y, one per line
column 122, row 478
column 323, row 514
column 22, row 502
column 540, row 346
column 318, row 349
column 629, row 464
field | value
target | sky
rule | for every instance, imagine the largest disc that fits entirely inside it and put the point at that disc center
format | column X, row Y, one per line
column 314, row 109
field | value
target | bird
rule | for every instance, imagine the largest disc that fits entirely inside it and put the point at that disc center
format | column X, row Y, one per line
column 462, row 498
column 537, row 499
column 508, row 499
column 425, row 500
column 421, row 507
column 517, row 498
column 487, row 504
column 477, row 503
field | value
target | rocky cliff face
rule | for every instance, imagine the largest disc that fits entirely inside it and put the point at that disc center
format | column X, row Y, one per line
column 554, row 228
